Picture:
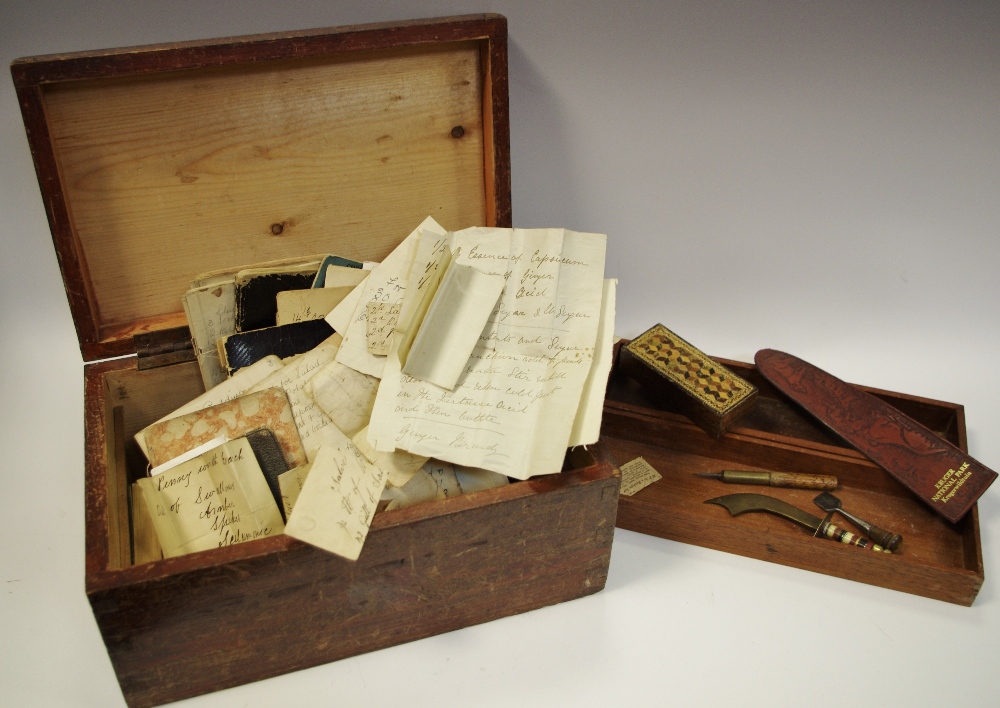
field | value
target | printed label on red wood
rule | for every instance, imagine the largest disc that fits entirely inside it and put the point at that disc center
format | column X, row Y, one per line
column 943, row 476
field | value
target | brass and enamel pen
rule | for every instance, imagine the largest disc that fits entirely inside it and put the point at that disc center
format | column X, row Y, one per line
column 774, row 479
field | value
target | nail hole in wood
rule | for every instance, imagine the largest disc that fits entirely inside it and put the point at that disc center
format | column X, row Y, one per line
column 276, row 229
column 457, row 132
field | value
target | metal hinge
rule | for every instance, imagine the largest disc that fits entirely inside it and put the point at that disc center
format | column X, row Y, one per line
column 163, row 347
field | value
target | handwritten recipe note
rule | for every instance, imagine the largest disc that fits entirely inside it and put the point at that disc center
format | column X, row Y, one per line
column 217, row 499
column 337, row 503
column 513, row 408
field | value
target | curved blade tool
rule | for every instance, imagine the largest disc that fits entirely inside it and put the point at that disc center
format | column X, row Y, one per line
column 738, row 504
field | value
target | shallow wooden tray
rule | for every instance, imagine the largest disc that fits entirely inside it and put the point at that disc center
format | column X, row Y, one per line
column 937, row 559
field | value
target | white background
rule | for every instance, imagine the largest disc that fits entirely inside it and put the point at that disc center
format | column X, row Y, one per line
column 818, row 177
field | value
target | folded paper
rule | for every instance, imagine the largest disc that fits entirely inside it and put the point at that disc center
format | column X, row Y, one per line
column 335, row 508
column 314, row 426
column 215, row 500
column 386, row 283
column 398, row 464
column 290, row 484
column 345, row 395
column 441, row 480
column 450, row 330
column 305, row 305
column 514, row 409
column 380, row 321
column 227, row 390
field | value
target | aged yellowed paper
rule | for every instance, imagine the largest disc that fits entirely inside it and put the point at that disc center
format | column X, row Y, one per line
column 335, row 508
column 313, row 424
column 345, row 395
column 267, row 408
column 441, row 480
column 386, row 283
column 218, row 499
column 587, row 424
column 309, row 304
column 450, row 330
column 399, row 465
column 290, row 483
column 380, row 321
column 344, row 277
column 637, row 474
column 513, row 410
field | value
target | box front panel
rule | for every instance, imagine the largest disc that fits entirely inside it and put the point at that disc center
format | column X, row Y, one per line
column 226, row 625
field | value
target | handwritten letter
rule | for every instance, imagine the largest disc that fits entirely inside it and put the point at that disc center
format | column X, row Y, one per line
column 304, row 305
column 313, row 424
column 337, row 503
column 385, row 284
column 218, row 499
column 513, row 410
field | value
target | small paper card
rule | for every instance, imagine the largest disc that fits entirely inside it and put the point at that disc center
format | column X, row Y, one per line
column 217, row 499
column 637, row 475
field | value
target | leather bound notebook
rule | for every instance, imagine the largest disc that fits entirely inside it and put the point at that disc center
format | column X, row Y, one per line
column 320, row 280
column 257, row 296
column 246, row 348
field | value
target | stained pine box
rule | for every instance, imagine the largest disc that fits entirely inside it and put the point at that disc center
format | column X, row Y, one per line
column 158, row 163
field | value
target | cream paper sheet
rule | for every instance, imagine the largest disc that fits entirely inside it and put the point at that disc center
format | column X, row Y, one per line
column 450, row 330
column 587, row 425
column 399, row 465
column 513, row 410
column 380, row 322
column 345, row 395
column 311, row 304
column 335, row 508
column 218, row 499
column 290, row 483
column 441, row 480
column 386, row 283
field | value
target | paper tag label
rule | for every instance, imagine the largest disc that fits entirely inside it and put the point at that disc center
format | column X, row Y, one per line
column 637, row 475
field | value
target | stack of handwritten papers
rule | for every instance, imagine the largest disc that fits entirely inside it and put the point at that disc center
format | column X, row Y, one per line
column 462, row 360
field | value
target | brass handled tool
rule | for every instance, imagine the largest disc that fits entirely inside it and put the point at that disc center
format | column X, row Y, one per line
column 738, row 504
column 888, row 540
column 774, row 479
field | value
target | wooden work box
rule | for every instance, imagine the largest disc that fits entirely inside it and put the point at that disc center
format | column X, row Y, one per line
column 937, row 559
column 158, row 163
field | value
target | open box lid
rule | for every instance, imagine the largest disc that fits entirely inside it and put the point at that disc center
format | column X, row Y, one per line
column 162, row 162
